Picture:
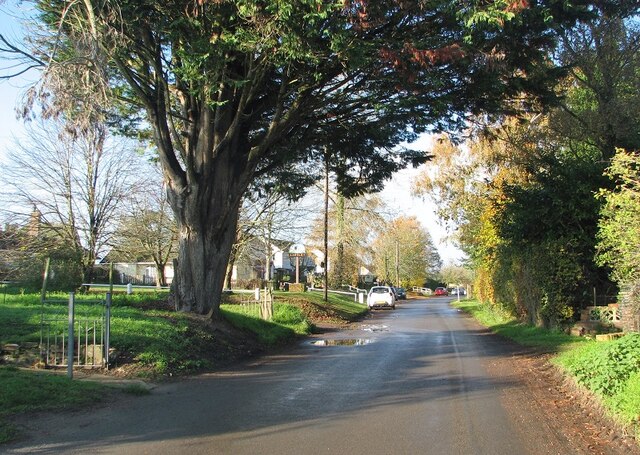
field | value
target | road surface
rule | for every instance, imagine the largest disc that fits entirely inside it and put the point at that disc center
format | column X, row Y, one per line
column 415, row 380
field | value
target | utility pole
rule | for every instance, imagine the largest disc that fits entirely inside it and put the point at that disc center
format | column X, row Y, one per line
column 397, row 263
column 326, row 226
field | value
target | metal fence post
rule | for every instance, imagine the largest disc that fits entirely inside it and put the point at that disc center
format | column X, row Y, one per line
column 70, row 343
column 107, row 329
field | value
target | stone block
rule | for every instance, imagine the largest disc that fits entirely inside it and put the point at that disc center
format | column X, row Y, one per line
column 609, row 336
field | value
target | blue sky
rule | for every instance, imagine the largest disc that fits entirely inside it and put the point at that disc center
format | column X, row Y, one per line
column 11, row 15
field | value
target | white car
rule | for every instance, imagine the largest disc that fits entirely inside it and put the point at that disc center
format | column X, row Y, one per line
column 458, row 291
column 381, row 297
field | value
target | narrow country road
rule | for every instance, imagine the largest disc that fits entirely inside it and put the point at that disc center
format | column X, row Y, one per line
column 416, row 380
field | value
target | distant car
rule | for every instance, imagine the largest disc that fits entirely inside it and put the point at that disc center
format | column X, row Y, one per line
column 441, row 291
column 381, row 297
column 458, row 291
column 401, row 293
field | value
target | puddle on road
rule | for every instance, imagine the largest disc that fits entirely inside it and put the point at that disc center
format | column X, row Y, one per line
column 343, row 342
column 374, row 328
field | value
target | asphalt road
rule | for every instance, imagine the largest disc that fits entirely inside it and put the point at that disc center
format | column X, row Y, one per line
column 410, row 381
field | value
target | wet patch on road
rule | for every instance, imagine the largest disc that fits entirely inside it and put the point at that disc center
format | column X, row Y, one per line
column 342, row 342
column 374, row 328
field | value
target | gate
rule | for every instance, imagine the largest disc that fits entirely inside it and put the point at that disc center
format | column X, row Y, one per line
column 73, row 340
column 257, row 303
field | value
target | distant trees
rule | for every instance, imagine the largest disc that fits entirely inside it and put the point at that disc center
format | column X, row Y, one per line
column 146, row 230
column 352, row 224
column 456, row 275
column 404, row 254
column 76, row 184
column 237, row 90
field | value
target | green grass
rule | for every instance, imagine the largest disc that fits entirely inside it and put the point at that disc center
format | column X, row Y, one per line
column 24, row 391
column 269, row 333
column 609, row 369
column 525, row 334
column 149, row 333
column 339, row 307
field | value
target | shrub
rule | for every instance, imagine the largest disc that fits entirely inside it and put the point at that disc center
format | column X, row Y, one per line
column 606, row 368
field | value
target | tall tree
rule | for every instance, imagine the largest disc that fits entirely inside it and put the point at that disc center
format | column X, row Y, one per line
column 404, row 253
column 233, row 90
column 78, row 183
column 351, row 223
column 147, row 231
column 522, row 195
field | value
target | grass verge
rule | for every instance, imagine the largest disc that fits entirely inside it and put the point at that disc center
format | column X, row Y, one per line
column 608, row 369
column 611, row 371
column 27, row 391
column 524, row 334
column 152, row 341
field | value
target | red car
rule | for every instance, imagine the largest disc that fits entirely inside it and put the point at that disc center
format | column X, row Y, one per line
column 441, row 291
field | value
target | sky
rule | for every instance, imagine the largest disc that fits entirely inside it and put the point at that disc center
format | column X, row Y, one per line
column 11, row 91
column 397, row 192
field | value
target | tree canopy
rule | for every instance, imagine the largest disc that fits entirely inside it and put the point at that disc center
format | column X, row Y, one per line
column 237, row 90
column 522, row 191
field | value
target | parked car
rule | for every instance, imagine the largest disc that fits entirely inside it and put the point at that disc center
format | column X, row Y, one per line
column 381, row 297
column 401, row 293
column 441, row 291
column 458, row 291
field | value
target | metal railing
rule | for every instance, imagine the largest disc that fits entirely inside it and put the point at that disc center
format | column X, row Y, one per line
column 128, row 287
column 355, row 295
column 257, row 302
column 71, row 341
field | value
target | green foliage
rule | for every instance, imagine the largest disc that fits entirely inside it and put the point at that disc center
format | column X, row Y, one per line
column 525, row 211
column 605, row 368
column 291, row 316
column 619, row 243
column 268, row 333
column 29, row 391
column 626, row 403
column 505, row 324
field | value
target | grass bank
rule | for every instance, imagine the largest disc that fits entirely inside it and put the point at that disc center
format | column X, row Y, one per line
column 610, row 370
column 152, row 341
column 25, row 391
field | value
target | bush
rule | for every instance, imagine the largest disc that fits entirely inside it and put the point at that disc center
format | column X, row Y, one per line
column 605, row 368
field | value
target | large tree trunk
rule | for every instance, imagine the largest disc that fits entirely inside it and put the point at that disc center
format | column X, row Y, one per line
column 203, row 256
column 207, row 215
